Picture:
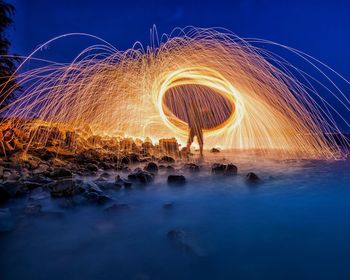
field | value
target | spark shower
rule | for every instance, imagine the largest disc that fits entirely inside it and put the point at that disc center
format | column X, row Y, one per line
column 254, row 98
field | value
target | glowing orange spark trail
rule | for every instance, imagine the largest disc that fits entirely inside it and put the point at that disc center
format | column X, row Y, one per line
column 123, row 93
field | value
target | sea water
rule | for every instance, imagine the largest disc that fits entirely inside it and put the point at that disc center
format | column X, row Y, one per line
column 294, row 224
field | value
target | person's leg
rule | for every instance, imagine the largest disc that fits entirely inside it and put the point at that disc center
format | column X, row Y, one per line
column 200, row 141
column 190, row 140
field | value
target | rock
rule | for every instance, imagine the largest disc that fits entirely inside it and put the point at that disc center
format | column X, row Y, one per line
column 176, row 180
column 33, row 209
column 13, row 175
column 168, row 205
column 38, row 194
column 92, row 167
column 192, row 167
column 170, row 168
column 186, row 242
column 29, row 185
column 231, row 169
column 93, row 187
column 176, row 234
column 251, row 177
column 11, row 189
column 117, row 207
column 65, row 187
column 97, row 198
column 140, row 176
column 1, row 172
column 41, row 169
column 151, row 167
column 225, row 169
column 107, row 185
column 167, row 159
column 6, row 220
column 122, row 182
column 60, row 172
column 215, row 150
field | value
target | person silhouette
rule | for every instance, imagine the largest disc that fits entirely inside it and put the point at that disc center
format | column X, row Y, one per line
column 196, row 123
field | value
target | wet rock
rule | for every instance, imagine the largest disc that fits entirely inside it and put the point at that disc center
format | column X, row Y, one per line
column 30, row 185
column 6, row 220
column 10, row 189
column 65, row 187
column 92, row 167
column 251, row 177
column 38, row 179
column 60, row 172
column 117, row 207
column 107, row 185
column 170, row 168
column 192, row 167
column 140, row 176
column 215, row 150
column 97, row 198
column 231, row 169
column 151, row 167
column 176, row 180
column 224, row 169
column 42, row 168
column 12, row 175
column 167, row 159
column 105, row 175
column 93, row 187
column 38, row 194
column 122, row 182
column 33, row 209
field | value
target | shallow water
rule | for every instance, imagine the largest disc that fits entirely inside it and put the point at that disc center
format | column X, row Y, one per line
column 294, row 225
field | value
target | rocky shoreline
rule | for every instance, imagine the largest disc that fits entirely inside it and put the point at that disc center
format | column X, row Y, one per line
column 77, row 174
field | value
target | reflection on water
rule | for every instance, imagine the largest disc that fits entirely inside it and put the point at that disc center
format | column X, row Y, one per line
column 295, row 225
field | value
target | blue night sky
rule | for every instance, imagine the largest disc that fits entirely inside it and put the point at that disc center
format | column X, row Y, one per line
column 319, row 28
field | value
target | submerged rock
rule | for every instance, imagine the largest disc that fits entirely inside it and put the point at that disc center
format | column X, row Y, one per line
column 6, row 220
column 33, row 209
column 185, row 241
column 141, row 176
column 117, row 207
column 168, row 205
column 119, row 182
column 177, row 180
column 251, row 177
